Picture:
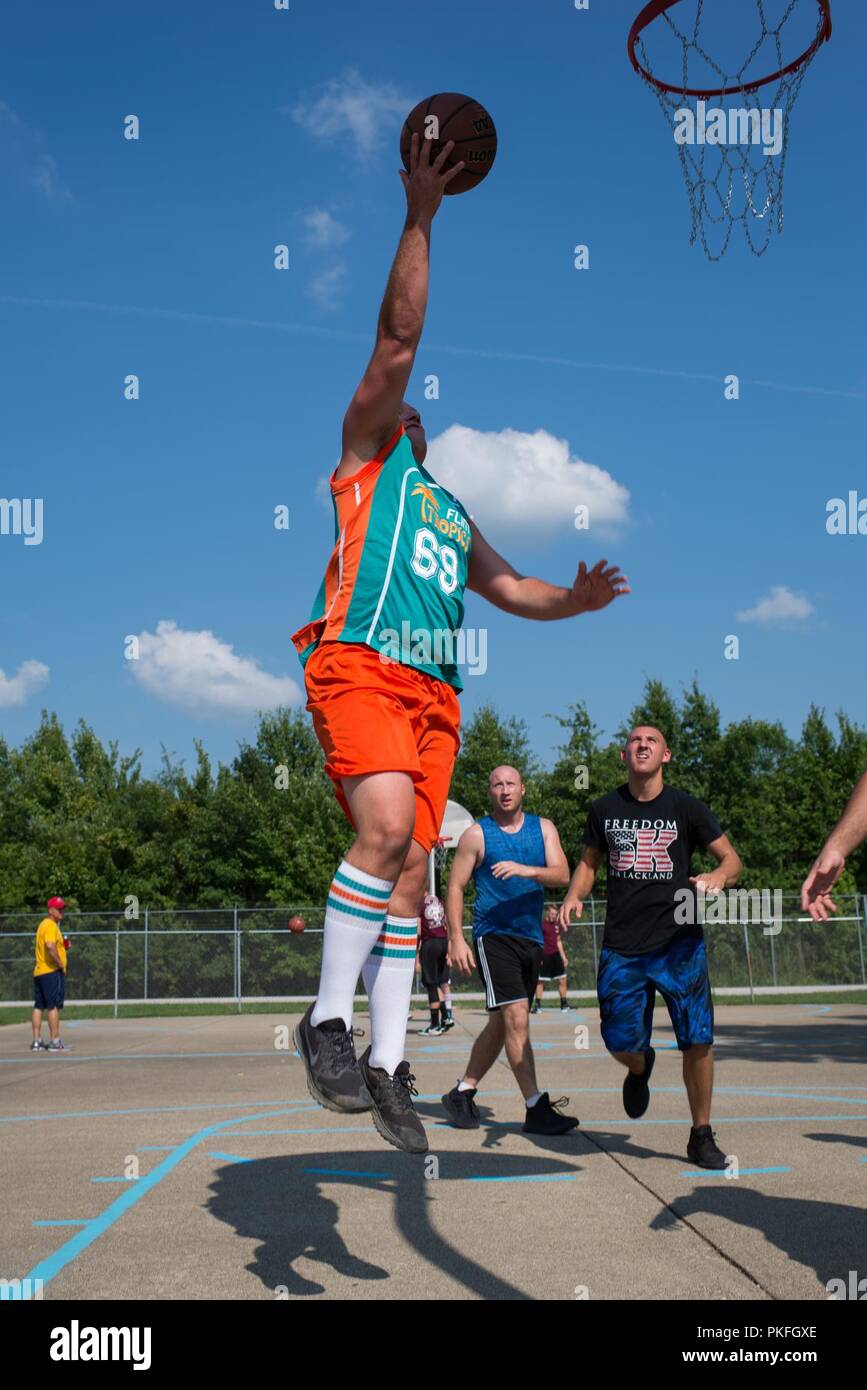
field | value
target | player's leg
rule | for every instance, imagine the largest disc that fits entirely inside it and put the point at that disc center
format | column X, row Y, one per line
column 542, row 1116
column 382, row 808
column 371, row 758
column 460, row 1101
column 626, row 1000
column 36, row 1023
column 564, row 993
column 484, row 1052
column 435, row 720
column 430, row 976
column 682, row 980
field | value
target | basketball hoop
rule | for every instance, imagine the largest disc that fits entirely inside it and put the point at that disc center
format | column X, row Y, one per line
column 743, row 181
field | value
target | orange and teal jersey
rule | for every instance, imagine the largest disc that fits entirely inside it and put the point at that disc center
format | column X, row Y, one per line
column 396, row 577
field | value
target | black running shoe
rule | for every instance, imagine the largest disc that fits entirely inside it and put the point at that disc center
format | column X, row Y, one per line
column 702, row 1149
column 461, row 1108
column 545, row 1118
column 636, row 1089
column 392, row 1109
column 328, row 1053
column 448, row 1022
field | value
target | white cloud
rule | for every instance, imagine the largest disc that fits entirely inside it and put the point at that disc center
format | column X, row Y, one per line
column 25, row 156
column 779, row 606
column 326, row 287
column 196, row 669
column 529, row 483
column 368, row 112
column 45, row 178
column 15, row 690
column 323, row 229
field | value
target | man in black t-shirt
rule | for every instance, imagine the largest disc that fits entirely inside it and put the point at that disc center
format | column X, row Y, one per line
column 647, row 833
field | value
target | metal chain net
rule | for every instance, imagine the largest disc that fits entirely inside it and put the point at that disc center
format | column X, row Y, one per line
column 715, row 174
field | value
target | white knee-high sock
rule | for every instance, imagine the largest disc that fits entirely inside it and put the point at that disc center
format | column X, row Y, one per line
column 388, row 980
column 356, row 909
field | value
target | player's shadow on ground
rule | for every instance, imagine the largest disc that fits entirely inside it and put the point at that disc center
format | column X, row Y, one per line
column 828, row 1237
column 281, row 1203
column 799, row 1042
column 859, row 1141
column 617, row 1142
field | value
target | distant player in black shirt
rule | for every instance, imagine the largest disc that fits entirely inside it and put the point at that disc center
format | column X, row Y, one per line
column 647, row 833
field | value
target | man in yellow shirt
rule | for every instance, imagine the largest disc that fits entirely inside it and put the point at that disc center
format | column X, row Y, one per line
column 49, row 977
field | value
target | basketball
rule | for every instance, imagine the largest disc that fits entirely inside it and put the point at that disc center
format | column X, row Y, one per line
column 451, row 116
column 296, row 923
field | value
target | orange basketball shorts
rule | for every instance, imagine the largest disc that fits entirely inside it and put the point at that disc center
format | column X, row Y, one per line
column 375, row 716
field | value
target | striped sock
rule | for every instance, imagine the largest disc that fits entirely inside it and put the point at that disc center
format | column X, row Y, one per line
column 388, row 981
column 357, row 905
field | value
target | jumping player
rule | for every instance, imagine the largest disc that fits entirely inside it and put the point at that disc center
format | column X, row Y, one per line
column 387, row 714
column 512, row 857
column 648, row 833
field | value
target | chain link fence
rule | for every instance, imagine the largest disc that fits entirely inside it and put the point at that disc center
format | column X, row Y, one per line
column 248, row 955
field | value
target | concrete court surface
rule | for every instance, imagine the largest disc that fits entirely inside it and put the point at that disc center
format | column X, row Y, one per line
column 247, row 1189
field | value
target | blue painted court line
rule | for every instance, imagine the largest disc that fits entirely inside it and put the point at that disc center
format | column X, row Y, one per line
column 285, row 1107
column 317, row 1129
column 230, row 1158
column 345, row 1173
column 71, row 1221
column 530, row 1177
column 47, row 1269
column 721, row 1173
column 115, row 1180
column 155, row 1148
column 149, row 1056
column 728, row 1120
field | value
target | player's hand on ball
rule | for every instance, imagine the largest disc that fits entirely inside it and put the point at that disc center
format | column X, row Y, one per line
column 816, row 889
column 594, row 589
column 569, row 906
column 462, row 956
column 507, row 868
column 425, row 183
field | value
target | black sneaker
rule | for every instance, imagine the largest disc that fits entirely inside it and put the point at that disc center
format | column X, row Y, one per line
column 461, row 1108
column 448, row 1021
column 328, row 1054
column 535, row 1007
column 545, row 1118
column 432, row 1030
column 702, row 1149
column 391, row 1098
column 636, row 1089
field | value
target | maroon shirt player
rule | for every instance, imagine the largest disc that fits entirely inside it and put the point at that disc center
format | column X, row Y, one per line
column 554, row 960
column 433, row 956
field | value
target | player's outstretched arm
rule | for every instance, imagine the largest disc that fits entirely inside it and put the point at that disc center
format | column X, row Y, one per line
column 728, row 869
column 373, row 411
column 580, row 885
column 848, row 834
column 496, row 580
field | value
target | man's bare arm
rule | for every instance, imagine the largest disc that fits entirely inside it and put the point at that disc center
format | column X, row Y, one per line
column 496, row 580
column 728, row 869
column 580, row 884
column 373, row 412
column 848, row 834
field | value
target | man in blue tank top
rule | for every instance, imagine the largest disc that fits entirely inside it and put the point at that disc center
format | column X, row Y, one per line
column 512, row 857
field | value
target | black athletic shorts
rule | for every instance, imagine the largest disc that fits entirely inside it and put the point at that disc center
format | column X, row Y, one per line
column 552, row 967
column 434, row 971
column 509, row 966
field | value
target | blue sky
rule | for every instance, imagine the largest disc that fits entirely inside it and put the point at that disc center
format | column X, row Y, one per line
column 155, row 257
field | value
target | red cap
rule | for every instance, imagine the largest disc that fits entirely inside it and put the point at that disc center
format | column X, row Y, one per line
column 56, row 902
